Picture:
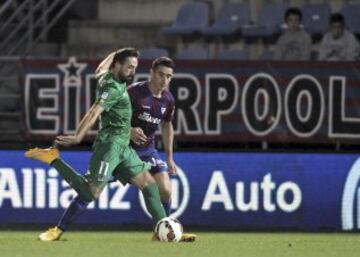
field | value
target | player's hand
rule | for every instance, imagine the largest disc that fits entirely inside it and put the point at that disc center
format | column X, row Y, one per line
column 67, row 140
column 138, row 136
column 171, row 166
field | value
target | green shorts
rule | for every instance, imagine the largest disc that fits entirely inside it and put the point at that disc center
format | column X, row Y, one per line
column 113, row 159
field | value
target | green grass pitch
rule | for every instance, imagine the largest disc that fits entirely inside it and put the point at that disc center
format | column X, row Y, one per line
column 209, row 244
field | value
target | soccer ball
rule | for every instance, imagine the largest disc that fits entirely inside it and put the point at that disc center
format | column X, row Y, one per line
column 169, row 230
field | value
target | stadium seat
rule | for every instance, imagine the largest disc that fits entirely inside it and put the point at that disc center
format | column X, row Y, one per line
column 190, row 19
column 233, row 55
column 229, row 21
column 316, row 18
column 351, row 14
column 268, row 24
column 153, row 53
column 195, row 53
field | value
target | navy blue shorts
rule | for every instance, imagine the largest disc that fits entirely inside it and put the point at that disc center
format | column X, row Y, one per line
column 151, row 156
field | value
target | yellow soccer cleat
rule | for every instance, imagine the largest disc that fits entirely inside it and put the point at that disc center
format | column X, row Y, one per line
column 52, row 234
column 47, row 155
column 188, row 237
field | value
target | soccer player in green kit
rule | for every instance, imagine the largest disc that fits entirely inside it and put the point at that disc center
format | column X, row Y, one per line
column 112, row 155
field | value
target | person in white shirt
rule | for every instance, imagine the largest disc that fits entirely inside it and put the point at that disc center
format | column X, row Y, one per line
column 339, row 44
column 295, row 43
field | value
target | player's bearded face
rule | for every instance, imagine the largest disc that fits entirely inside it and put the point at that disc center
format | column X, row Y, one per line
column 127, row 70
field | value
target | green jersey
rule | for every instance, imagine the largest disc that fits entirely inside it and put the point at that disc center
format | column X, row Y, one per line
column 115, row 121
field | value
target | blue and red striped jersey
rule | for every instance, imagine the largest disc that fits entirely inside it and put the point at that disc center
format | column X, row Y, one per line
column 149, row 111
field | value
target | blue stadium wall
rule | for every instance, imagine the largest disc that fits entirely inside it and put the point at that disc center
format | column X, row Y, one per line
column 235, row 191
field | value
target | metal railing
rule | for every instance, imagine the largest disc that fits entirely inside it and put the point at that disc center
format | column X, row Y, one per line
column 10, row 100
column 24, row 25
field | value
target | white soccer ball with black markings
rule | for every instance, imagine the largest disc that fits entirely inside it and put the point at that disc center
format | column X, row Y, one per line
column 169, row 230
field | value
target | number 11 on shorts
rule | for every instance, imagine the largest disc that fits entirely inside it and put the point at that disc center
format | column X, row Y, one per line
column 104, row 168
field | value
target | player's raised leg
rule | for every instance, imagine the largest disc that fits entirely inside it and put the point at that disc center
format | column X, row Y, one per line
column 51, row 156
column 102, row 163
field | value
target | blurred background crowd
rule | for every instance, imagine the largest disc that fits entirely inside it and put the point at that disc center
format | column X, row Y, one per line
column 256, row 30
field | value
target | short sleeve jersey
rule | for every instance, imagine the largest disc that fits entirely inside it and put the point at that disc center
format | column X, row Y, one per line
column 149, row 111
column 115, row 121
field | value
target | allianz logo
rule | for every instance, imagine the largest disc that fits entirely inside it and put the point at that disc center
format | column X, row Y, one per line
column 40, row 188
column 351, row 199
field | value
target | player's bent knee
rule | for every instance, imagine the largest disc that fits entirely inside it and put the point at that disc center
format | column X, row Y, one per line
column 142, row 180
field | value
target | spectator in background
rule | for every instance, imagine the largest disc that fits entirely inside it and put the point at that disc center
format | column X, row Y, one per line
column 295, row 43
column 339, row 44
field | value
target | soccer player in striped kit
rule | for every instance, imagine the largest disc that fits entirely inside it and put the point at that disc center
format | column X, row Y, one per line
column 154, row 105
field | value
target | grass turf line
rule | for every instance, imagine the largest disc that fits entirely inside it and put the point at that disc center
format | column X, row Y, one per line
column 139, row 244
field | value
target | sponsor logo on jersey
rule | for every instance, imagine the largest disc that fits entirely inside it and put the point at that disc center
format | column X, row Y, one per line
column 104, row 95
column 148, row 118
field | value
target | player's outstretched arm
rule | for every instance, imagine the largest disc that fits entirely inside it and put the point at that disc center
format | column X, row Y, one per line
column 85, row 124
column 104, row 66
column 168, row 140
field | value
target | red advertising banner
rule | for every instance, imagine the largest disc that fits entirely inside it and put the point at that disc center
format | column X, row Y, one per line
column 218, row 101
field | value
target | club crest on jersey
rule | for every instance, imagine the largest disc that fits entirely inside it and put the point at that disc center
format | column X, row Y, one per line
column 163, row 109
column 104, row 95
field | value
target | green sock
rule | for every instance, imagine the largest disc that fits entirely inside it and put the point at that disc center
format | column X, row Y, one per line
column 153, row 202
column 75, row 180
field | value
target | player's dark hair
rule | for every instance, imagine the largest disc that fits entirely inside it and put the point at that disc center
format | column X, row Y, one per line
column 337, row 17
column 124, row 53
column 163, row 61
column 293, row 11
